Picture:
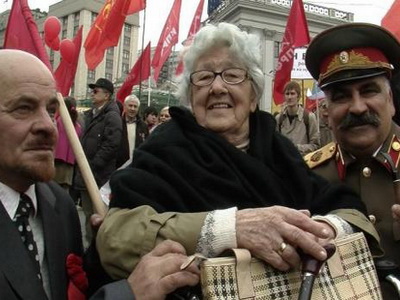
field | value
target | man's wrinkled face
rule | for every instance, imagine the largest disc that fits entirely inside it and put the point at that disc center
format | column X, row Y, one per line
column 360, row 113
column 29, row 135
column 99, row 96
column 131, row 109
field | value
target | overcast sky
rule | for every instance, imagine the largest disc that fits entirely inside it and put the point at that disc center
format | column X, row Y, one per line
column 157, row 11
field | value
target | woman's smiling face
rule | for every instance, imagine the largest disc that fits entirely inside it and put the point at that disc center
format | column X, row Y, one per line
column 221, row 107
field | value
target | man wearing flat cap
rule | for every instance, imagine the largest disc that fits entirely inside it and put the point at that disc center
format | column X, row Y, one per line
column 354, row 64
column 100, row 140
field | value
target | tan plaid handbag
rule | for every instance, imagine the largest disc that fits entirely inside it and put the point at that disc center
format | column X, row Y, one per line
column 349, row 274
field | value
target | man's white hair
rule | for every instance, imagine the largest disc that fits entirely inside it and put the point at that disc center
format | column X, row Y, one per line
column 132, row 98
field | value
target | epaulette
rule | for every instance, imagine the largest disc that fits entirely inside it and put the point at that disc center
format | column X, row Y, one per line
column 393, row 154
column 321, row 155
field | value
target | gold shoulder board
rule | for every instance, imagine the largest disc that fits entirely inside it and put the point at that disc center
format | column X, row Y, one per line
column 321, row 155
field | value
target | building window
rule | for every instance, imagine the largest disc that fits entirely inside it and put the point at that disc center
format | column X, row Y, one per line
column 94, row 16
column 276, row 49
column 65, row 21
column 128, row 28
column 72, row 92
column 51, row 57
column 109, row 64
column 125, row 68
column 76, row 17
column 64, row 33
column 110, row 51
column 109, row 76
column 127, row 41
column 125, row 54
column 91, row 75
column 76, row 27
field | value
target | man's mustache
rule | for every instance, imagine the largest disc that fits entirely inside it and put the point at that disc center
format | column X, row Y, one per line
column 352, row 120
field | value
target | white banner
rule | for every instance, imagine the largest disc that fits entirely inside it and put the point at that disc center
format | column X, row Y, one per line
column 299, row 70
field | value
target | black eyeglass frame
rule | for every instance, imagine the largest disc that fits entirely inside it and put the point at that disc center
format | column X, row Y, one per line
column 221, row 74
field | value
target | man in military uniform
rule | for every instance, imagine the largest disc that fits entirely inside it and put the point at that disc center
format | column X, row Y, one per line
column 353, row 64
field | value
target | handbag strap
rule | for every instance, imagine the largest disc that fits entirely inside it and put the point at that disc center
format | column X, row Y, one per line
column 243, row 274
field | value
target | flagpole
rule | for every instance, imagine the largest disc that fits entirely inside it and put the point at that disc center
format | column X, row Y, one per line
column 140, row 67
column 318, row 120
column 90, row 182
column 171, row 66
column 148, row 92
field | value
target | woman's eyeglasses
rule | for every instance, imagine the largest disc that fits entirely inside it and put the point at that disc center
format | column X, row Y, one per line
column 229, row 76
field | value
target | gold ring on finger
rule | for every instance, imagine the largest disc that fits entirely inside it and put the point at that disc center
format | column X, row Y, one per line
column 282, row 248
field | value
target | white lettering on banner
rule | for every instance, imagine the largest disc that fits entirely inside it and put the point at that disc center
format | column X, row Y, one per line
column 168, row 39
column 316, row 9
column 285, row 58
column 282, row 2
column 340, row 15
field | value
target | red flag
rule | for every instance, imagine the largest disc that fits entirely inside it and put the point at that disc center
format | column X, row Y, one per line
column 22, row 32
column 139, row 72
column 107, row 27
column 391, row 21
column 168, row 38
column 65, row 73
column 296, row 35
column 192, row 31
column 135, row 6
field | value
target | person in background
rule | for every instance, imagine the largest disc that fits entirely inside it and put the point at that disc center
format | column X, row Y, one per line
column 325, row 132
column 150, row 115
column 164, row 115
column 296, row 123
column 134, row 130
column 354, row 64
column 220, row 176
column 100, row 141
column 64, row 155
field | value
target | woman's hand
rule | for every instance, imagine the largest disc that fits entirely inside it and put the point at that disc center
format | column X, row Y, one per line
column 263, row 230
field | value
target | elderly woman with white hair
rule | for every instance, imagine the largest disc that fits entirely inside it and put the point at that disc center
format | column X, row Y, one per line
column 218, row 175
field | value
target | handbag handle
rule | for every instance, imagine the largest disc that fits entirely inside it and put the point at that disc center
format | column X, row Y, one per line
column 243, row 271
column 243, row 274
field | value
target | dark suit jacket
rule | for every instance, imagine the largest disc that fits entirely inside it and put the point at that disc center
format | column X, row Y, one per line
column 62, row 236
column 142, row 132
column 100, row 141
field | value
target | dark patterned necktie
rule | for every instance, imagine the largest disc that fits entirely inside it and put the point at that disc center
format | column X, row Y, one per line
column 21, row 220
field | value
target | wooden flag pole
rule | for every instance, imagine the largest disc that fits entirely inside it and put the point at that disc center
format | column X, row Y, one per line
column 98, row 205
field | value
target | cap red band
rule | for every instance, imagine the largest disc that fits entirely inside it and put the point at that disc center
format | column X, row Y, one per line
column 351, row 59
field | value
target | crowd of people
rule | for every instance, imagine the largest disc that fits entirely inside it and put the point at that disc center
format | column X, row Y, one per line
column 213, row 174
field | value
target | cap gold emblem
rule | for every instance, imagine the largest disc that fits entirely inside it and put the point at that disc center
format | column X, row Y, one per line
column 344, row 57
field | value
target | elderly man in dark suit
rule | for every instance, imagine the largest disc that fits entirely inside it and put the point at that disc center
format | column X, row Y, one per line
column 28, row 138
column 39, row 225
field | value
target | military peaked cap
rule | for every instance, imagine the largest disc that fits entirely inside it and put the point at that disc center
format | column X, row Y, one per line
column 352, row 51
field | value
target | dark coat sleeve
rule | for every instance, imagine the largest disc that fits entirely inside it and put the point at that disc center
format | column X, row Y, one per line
column 119, row 290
